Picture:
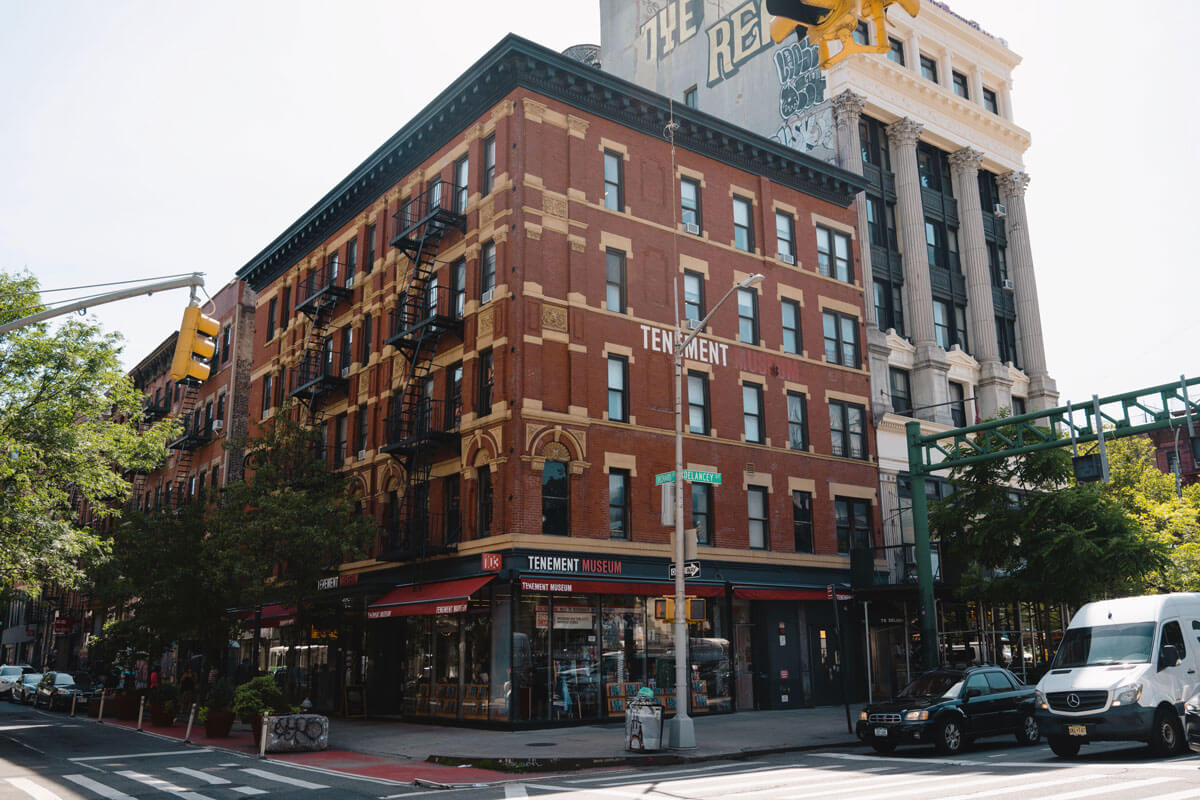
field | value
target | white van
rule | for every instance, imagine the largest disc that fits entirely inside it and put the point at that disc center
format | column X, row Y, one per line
column 1123, row 672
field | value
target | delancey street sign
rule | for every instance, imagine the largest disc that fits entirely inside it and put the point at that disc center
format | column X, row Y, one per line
column 693, row 475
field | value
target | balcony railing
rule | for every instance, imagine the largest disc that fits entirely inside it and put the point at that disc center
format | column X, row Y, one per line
column 436, row 205
column 320, row 371
column 155, row 409
column 421, row 535
column 194, row 435
column 422, row 314
column 422, row 421
column 322, row 285
column 901, row 562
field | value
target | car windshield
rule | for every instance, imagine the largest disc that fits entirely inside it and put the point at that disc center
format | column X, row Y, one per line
column 32, row 678
column 8, row 672
column 931, row 684
column 64, row 680
column 1105, row 644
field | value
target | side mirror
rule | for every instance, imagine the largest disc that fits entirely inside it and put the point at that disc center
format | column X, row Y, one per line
column 1168, row 657
column 973, row 693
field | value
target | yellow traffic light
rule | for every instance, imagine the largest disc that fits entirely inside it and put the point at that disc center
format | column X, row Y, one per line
column 825, row 21
column 664, row 609
column 196, row 346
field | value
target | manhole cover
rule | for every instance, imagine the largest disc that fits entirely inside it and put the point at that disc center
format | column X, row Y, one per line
column 541, row 744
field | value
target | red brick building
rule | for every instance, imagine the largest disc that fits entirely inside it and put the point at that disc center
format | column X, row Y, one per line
column 480, row 316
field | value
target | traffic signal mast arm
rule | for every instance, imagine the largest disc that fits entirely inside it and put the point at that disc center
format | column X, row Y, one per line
column 195, row 280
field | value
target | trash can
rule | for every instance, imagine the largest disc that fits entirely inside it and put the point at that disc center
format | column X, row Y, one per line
column 643, row 724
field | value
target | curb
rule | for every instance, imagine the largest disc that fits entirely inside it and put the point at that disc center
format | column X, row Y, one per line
column 520, row 765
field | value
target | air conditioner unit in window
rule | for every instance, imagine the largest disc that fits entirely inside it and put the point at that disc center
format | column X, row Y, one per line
column 692, row 228
column 362, row 455
column 693, row 324
column 1007, row 284
column 787, row 258
column 486, row 297
column 218, row 425
column 345, row 372
column 999, row 210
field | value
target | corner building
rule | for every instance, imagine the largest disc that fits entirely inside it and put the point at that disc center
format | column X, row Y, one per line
column 480, row 318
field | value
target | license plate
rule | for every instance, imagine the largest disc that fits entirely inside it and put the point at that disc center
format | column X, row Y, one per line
column 1076, row 730
column 881, row 732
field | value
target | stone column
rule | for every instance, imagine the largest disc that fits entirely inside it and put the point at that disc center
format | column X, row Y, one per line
column 995, row 388
column 930, row 387
column 1043, row 393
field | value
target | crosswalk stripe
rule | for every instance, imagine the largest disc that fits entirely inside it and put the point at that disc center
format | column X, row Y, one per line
column 1025, row 788
column 514, row 790
column 1186, row 794
column 200, row 775
column 1107, row 788
column 271, row 776
column 666, row 773
column 161, row 785
column 97, row 787
column 246, row 790
column 32, row 789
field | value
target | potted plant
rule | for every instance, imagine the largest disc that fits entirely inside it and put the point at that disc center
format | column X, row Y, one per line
column 164, row 702
column 125, row 704
column 256, row 697
column 217, row 715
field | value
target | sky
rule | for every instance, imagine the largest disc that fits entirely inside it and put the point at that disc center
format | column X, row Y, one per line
column 143, row 138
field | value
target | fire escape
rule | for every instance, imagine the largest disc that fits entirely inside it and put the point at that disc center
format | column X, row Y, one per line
column 153, row 409
column 323, row 370
column 421, row 427
column 197, row 432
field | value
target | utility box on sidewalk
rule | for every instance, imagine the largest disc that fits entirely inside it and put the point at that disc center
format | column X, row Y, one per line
column 643, row 725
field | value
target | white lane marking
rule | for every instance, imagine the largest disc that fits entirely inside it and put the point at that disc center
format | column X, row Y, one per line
column 26, row 746
column 246, row 790
column 97, row 787
column 642, row 774
column 124, row 756
column 976, row 780
column 1025, row 788
column 271, row 776
column 161, row 785
column 1187, row 794
column 25, row 727
column 873, row 784
column 201, row 775
column 33, row 790
column 1057, row 764
column 514, row 790
column 1106, row 789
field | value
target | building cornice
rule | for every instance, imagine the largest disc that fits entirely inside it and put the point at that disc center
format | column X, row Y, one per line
column 156, row 364
column 518, row 63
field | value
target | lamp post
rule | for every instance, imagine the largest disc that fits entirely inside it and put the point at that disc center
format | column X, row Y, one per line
column 682, row 730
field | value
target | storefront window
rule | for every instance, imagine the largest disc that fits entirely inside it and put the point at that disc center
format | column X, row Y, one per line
column 531, row 658
column 576, row 664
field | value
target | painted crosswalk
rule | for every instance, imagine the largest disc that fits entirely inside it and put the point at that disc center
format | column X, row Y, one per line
column 183, row 782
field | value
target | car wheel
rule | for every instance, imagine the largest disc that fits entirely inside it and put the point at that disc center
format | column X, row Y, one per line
column 884, row 748
column 949, row 738
column 1064, row 746
column 1166, row 738
column 1028, row 732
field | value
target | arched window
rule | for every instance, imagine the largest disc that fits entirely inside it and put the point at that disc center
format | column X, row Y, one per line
column 555, row 502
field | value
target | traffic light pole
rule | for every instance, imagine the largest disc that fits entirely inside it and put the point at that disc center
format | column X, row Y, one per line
column 195, row 280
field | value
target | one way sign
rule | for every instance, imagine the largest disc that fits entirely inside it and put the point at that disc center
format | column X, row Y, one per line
column 691, row 569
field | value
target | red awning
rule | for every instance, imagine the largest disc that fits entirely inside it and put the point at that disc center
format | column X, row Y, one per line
column 440, row 597
column 273, row 615
column 779, row 593
column 543, row 583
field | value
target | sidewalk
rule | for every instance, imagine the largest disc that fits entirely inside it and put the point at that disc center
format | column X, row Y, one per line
column 442, row 755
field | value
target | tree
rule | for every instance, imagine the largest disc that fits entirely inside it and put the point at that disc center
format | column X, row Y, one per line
column 1024, row 530
column 70, row 427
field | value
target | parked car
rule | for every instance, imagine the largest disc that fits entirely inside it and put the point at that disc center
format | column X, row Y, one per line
column 10, row 674
column 949, row 708
column 54, row 691
column 23, row 690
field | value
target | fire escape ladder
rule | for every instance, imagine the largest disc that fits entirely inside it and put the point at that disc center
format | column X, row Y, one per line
column 183, row 459
column 320, row 370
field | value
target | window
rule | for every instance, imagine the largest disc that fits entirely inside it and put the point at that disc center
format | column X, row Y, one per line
column 895, row 51
column 889, row 307
column 484, row 380
column 280, row 386
column 833, row 254
column 960, row 326
column 941, row 323
column 483, row 513
column 693, row 295
column 614, row 271
column 935, row 244
column 351, row 261
column 452, row 503
column 226, row 343
column 853, row 524
column 697, row 385
column 785, row 237
column 691, row 98
column 266, row 395
column 802, row 522
column 689, row 205
column 1018, row 407
column 929, row 167
column 271, row 308
column 702, row 512
column 341, row 430
column 797, row 408
column 434, row 194
column 901, row 386
column 1006, row 337
column 285, row 306
column 748, row 316
column 360, row 437
column 958, row 405
column 618, row 504
column 458, row 286
column 334, row 263
column 752, row 412
column 488, row 177
column 454, row 381
column 989, row 101
column 555, row 503
column 997, row 264
column 847, row 431
column 462, row 171
column 1173, row 634
column 369, row 263
column 841, row 338
column 487, row 270
column 860, row 34
column 368, row 338
column 960, row 85
column 743, row 224
column 618, row 389
column 929, row 68
column 756, row 512
column 875, row 232
column 873, row 143
column 614, row 184
column 347, row 348
column 789, row 311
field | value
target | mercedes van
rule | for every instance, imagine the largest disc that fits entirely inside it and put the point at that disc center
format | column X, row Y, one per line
column 1123, row 672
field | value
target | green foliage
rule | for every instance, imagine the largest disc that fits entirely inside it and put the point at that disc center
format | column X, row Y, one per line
column 119, row 642
column 220, row 697
column 1059, row 543
column 259, row 696
column 165, row 695
column 68, row 431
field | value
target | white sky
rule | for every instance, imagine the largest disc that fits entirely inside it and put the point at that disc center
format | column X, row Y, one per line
column 140, row 139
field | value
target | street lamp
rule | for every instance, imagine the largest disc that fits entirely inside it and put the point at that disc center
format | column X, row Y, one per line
column 682, row 730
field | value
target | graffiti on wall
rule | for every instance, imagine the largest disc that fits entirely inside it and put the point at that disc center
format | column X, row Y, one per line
column 663, row 25
column 736, row 38
column 802, row 89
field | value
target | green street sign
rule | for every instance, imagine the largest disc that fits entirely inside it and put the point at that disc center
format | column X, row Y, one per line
column 695, row 476
column 664, row 477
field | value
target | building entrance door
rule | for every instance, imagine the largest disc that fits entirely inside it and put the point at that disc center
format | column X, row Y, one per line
column 744, row 666
column 825, row 665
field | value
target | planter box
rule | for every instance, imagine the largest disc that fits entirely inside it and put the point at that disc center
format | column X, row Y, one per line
column 124, row 706
column 218, row 724
column 297, row 733
column 162, row 716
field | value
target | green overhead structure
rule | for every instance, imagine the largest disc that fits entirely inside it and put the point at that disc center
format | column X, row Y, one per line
column 1129, row 414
